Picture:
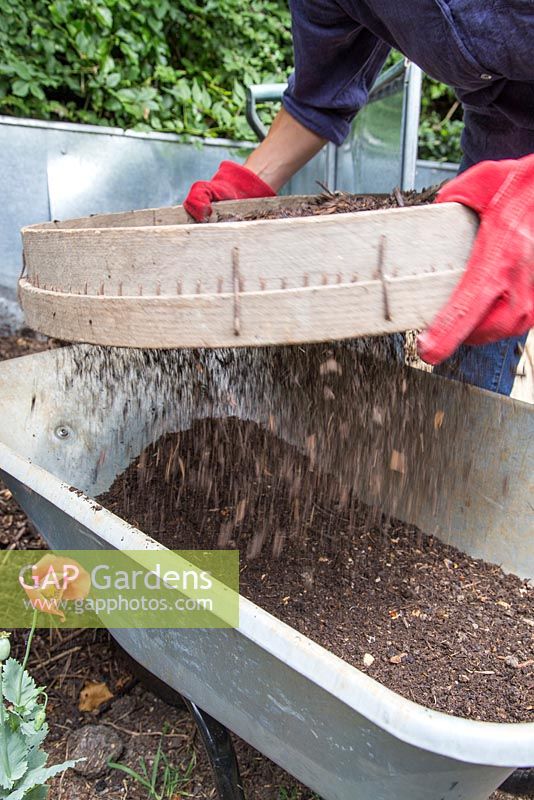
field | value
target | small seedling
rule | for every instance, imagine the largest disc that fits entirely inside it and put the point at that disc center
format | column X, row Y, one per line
column 162, row 781
column 293, row 794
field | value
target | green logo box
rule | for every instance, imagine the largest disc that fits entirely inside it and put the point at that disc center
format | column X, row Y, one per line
column 119, row 588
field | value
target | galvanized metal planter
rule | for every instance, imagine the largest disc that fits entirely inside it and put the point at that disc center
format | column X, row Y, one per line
column 54, row 170
column 331, row 726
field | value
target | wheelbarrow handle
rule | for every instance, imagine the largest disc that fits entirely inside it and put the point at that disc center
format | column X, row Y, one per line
column 387, row 82
column 261, row 93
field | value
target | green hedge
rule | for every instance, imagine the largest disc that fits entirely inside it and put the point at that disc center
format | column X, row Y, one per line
column 441, row 123
column 175, row 65
column 168, row 65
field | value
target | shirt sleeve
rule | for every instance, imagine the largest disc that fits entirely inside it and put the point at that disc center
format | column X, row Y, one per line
column 336, row 63
column 491, row 135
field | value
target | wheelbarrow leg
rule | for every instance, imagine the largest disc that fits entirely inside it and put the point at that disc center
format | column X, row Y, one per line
column 216, row 737
column 221, row 753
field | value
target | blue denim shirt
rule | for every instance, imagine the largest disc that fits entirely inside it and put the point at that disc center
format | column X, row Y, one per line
column 484, row 49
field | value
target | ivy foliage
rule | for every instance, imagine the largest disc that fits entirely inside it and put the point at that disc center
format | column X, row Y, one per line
column 170, row 65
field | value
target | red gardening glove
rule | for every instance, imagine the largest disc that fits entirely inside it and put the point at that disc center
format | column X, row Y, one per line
column 230, row 182
column 495, row 297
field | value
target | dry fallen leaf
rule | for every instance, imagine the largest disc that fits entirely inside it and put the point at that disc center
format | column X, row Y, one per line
column 398, row 658
column 122, row 682
column 93, row 695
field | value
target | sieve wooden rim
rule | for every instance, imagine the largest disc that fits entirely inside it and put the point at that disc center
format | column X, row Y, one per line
column 150, row 278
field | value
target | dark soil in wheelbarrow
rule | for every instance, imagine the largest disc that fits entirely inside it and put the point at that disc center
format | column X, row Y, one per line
column 447, row 631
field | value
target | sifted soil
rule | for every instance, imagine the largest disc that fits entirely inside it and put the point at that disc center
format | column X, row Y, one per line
column 442, row 629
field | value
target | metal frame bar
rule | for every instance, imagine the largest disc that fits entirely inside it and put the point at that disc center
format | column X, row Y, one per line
column 411, row 112
column 261, row 93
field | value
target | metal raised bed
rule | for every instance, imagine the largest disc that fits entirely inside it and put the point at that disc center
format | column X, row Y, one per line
column 334, row 728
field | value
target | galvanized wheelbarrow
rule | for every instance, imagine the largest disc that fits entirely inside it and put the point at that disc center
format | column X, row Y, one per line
column 334, row 728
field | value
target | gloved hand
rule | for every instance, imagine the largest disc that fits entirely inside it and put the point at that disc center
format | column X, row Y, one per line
column 495, row 297
column 230, row 182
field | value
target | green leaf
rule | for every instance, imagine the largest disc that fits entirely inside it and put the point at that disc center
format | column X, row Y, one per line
column 131, row 773
column 196, row 93
column 17, row 760
column 160, row 9
column 34, row 738
column 182, row 91
column 37, row 776
column 38, row 793
column 20, row 88
column 113, row 80
column 23, row 694
column 22, row 71
column 37, row 92
column 103, row 15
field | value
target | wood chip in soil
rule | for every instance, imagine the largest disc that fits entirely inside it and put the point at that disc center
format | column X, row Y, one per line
column 442, row 629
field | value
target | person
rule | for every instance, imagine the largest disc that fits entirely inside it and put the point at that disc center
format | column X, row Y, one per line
column 484, row 50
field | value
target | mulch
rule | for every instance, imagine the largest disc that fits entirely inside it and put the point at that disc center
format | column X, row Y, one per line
column 335, row 203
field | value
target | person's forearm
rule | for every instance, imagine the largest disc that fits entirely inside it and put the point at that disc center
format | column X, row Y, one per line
column 286, row 148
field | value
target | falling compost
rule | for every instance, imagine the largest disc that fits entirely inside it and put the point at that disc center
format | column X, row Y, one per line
column 440, row 628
